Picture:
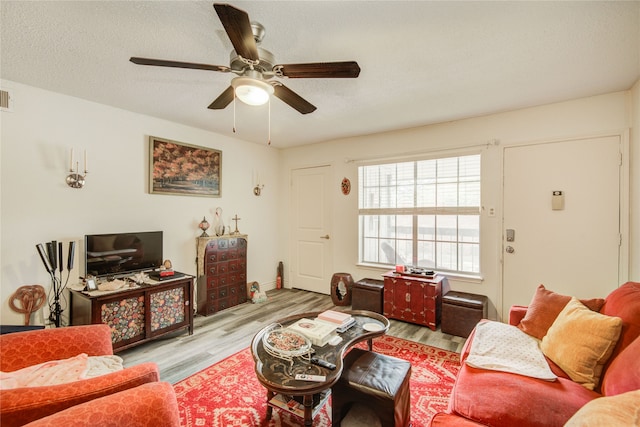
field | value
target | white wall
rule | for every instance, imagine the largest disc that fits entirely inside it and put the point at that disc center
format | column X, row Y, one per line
column 589, row 116
column 634, row 211
column 37, row 206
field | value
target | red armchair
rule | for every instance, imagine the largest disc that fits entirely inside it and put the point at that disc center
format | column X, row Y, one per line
column 152, row 405
column 19, row 350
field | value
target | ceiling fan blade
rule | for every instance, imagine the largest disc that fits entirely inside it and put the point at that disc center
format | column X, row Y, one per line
column 177, row 64
column 238, row 27
column 346, row 69
column 293, row 99
column 223, row 100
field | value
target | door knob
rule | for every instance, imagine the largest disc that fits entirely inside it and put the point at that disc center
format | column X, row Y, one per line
column 510, row 249
column 326, row 236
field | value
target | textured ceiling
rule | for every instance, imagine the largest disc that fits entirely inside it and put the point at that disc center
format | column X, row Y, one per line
column 422, row 62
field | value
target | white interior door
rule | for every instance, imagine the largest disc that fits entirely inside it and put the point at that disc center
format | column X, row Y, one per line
column 311, row 264
column 573, row 250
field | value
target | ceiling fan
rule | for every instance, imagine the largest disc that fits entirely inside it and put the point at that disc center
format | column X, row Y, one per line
column 256, row 67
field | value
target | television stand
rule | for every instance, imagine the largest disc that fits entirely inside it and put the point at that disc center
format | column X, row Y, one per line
column 137, row 315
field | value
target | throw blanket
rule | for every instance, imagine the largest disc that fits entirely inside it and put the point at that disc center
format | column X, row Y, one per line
column 500, row 347
column 60, row 371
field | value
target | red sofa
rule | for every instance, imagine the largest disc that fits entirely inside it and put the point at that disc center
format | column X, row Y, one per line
column 492, row 398
column 22, row 349
column 149, row 405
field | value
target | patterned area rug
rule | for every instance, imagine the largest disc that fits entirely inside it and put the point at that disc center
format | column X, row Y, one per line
column 228, row 393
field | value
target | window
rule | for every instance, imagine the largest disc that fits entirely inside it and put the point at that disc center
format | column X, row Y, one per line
column 422, row 213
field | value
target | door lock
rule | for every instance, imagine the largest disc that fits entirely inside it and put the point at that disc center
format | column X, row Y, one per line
column 510, row 249
column 326, row 236
column 511, row 235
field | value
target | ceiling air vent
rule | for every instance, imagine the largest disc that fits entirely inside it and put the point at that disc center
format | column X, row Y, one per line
column 6, row 103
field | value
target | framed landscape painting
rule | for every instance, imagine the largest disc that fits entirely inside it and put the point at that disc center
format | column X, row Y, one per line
column 183, row 169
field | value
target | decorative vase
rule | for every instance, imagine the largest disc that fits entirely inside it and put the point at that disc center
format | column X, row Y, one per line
column 218, row 227
column 341, row 286
column 204, row 226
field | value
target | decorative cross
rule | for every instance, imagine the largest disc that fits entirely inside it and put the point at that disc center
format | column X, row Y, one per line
column 236, row 219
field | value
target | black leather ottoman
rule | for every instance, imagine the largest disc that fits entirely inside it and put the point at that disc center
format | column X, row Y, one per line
column 461, row 312
column 368, row 294
column 377, row 381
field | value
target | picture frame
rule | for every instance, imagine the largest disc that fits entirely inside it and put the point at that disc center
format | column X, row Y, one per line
column 177, row 168
column 91, row 285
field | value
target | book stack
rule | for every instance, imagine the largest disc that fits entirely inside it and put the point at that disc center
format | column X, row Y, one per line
column 342, row 321
column 164, row 274
column 294, row 404
column 319, row 333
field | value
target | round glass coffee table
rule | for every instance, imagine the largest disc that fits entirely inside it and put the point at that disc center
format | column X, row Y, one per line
column 277, row 370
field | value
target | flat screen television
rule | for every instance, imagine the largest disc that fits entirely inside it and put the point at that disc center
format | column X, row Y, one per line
column 119, row 254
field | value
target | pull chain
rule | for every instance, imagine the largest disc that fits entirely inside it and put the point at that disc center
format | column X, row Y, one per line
column 268, row 118
column 234, row 110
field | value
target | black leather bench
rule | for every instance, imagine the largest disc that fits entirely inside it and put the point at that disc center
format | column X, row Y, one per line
column 461, row 312
column 368, row 294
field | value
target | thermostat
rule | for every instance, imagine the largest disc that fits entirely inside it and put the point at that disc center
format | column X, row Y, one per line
column 557, row 200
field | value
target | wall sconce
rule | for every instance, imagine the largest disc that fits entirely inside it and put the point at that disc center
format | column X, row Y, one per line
column 75, row 179
column 257, row 189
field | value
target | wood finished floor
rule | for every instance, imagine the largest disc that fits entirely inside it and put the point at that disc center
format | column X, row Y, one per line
column 216, row 337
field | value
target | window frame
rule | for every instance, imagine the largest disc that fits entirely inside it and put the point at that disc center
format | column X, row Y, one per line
column 416, row 212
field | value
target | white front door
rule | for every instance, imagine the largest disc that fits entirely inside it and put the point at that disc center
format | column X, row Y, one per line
column 311, row 264
column 571, row 249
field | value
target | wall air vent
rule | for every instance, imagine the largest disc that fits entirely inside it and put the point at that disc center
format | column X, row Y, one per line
column 6, row 103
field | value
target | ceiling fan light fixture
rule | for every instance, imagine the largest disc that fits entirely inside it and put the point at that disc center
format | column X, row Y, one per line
column 252, row 91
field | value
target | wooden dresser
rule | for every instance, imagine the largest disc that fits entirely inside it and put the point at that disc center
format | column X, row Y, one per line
column 414, row 299
column 222, row 272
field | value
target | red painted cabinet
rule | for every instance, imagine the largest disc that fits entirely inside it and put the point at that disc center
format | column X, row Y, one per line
column 413, row 299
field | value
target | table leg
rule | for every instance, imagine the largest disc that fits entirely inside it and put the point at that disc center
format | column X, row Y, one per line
column 270, row 396
column 308, row 409
column 370, row 342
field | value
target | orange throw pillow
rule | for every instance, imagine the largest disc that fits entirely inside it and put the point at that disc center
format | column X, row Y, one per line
column 581, row 341
column 545, row 307
column 618, row 410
